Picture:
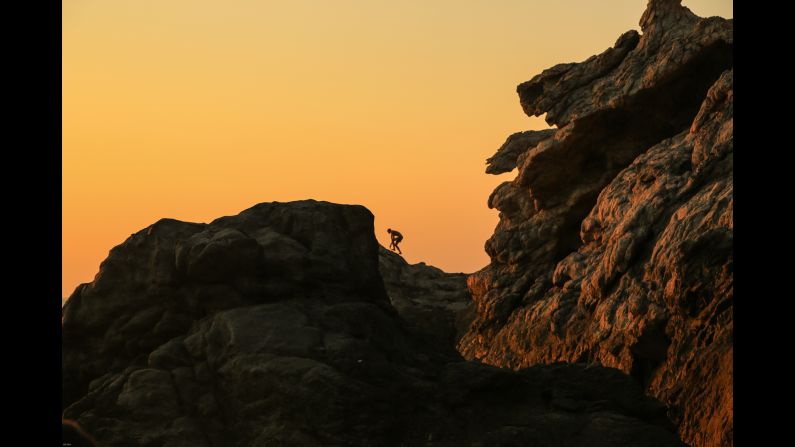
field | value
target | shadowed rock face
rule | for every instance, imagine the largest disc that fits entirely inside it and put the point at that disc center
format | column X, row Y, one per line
column 615, row 238
column 507, row 155
column 436, row 305
column 274, row 328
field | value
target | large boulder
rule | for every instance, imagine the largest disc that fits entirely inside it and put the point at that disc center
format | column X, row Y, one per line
column 274, row 328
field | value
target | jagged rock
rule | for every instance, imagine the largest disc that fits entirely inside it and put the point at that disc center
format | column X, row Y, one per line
column 200, row 335
column 517, row 144
column 615, row 239
column 675, row 43
column 434, row 304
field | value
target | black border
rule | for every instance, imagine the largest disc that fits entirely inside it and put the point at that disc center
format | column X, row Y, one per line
column 32, row 224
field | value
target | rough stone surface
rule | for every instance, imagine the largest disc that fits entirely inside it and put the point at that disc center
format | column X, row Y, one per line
column 436, row 305
column 274, row 328
column 614, row 244
column 517, row 144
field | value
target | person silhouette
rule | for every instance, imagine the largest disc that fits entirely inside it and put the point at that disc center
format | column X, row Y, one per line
column 396, row 238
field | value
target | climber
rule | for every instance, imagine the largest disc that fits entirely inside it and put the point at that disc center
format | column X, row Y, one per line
column 396, row 238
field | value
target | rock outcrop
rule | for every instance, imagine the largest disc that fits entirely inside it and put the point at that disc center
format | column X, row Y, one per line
column 274, row 328
column 435, row 305
column 614, row 244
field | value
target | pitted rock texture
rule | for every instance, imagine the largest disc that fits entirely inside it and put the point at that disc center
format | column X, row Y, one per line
column 614, row 243
column 274, row 328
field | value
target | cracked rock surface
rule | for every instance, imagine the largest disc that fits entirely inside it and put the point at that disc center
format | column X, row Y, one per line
column 614, row 244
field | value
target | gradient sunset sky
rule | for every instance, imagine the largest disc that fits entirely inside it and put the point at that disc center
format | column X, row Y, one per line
column 196, row 109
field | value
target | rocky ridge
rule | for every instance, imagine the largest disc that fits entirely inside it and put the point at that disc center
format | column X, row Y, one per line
column 436, row 305
column 614, row 244
column 274, row 328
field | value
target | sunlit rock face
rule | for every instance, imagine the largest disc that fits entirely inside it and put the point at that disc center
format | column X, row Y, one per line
column 614, row 244
column 274, row 328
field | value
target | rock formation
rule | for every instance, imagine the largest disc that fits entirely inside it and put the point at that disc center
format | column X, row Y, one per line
column 274, row 328
column 436, row 305
column 614, row 244
column 610, row 277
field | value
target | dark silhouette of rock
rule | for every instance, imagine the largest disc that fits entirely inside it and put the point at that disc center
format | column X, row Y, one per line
column 615, row 238
column 274, row 328
column 435, row 305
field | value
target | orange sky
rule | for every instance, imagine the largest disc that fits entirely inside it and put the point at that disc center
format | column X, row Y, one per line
column 195, row 109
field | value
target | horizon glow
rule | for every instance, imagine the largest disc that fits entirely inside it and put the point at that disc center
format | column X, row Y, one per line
column 198, row 109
